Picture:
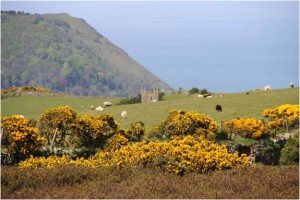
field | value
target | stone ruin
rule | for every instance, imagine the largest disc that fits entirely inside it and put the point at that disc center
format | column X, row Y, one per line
column 149, row 96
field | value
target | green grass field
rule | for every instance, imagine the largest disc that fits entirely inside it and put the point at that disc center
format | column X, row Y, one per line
column 234, row 105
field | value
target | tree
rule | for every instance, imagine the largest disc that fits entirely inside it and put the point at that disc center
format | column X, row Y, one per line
column 204, row 91
column 194, row 90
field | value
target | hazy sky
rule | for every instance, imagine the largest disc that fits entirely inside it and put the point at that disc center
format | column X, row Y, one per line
column 222, row 46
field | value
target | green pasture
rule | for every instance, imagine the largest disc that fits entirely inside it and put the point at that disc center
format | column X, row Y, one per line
column 234, row 105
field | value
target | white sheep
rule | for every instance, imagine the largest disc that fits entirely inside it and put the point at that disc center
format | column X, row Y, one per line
column 291, row 84
column 200, row 96
column 124, row 115
column 267, row 88
column 208, row 97
column 107, row 104
column 99, row 108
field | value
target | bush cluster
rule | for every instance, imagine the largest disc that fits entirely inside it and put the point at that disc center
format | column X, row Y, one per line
column 25, row 89
column 180, row 155
column 132, row 100
column 183, row 142
column 245, row 127
column 290, row 152
column 277, row 117
column 59, row 121
column 181, row 123
column 20, row 137
column 93, row 131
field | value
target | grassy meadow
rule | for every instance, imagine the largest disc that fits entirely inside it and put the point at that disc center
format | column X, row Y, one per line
column 234, row 105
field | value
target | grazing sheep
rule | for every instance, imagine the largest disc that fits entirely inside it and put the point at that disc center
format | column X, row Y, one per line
column 291, row 85
column 221, row 95
column 267, row 88
column 208, row 97
column 124, row 115
column 99, row 108
column 107, row 104
column 218, row 108
column 200, row 96
column 92, row 107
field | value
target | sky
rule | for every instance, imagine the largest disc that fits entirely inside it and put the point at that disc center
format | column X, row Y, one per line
column 223, row 46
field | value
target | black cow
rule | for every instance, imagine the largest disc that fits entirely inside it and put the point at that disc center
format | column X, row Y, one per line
column 218, row 108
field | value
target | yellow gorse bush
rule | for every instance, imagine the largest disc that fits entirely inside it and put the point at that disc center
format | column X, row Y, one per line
column 115, row 142
column 135, row 131
column 93, row 131
column 177, row 156
column 26, row 89
column 60, row 120
column 245, row 127
column 21, row 139
column 278, row 115
column 181, row 123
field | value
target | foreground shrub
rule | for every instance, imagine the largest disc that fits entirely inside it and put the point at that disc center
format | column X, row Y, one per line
column 269, row 154
column 245, row 127
column 277, row 117
column 180, row 155
column 20, row 137
column 290, row 152
column 59, row 120
column 135, row 131
column 116, row 142
column 182, row 123
column 93, row 131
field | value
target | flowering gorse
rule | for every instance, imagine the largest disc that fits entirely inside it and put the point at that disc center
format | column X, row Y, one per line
column 60, row 120
column 278, row 116
column 245, row 127
column 20, row 137
column 178, row 156
column 181, row 123
column 93, row 131
column 135, row 131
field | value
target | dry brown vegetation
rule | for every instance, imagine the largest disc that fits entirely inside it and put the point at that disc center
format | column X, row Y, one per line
column 80, row 182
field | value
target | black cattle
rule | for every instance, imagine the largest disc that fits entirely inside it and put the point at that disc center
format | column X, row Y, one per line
column 218, row 108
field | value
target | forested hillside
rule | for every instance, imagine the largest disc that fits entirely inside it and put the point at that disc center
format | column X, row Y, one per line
column 65, row 54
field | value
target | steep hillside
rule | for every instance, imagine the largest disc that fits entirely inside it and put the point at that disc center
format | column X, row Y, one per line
column 65, row 54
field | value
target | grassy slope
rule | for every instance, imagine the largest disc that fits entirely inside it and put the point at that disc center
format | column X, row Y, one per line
column 234, row 105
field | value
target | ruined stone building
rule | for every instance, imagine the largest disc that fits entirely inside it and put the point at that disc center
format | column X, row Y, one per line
column 149, row 96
